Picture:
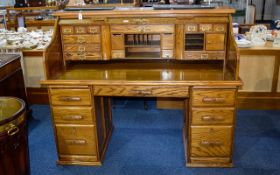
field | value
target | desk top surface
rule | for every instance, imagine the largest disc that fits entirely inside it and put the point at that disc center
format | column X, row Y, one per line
column 148, row 74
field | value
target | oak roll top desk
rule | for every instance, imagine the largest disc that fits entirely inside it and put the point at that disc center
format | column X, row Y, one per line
column 141, row 52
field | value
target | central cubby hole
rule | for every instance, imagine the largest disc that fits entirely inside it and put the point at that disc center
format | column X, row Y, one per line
column 194, row 42
column 142, row 45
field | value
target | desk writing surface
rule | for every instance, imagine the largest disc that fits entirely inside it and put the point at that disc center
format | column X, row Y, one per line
column 146, row 73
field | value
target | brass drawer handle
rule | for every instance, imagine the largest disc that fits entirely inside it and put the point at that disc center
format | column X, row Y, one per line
column 92, row 30
column 67, row 30
column 12, row 130
column 76, row 142
column 69, row 54
column 72, row 117
column 80, row 30
column 213, row 100
column 81, row 40
column 211, row 143
column 80, row 53
column 212, row 118
column 141, row 92
column 82, row 49
column 69, row 99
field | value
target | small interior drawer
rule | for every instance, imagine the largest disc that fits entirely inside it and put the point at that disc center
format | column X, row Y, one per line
column 82, row 56
column 213, row 97
column 204, row 55
column 211, row 141
column 73, row 115
column 219, row 28
column 81, row 47
column 76, row 139
column 93, row 29
column 70, row 96
column 191, row 28
column 118, row 53
column 81, row 39
column 67, row 29
column 212, row 116
column 167, row 54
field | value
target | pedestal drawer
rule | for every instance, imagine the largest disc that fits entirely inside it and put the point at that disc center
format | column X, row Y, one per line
column 213, row 97
column 70, row 96
column 212, row 116
column 76, row 139
column 73, row 115
column 211, row 141
column 147, row 91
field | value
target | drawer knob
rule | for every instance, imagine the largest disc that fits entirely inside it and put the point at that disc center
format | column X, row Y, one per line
column 211, row 143
column 69, row 99
column 213, row 100
column 212, row 118
column 72, row 117
column 76, row 142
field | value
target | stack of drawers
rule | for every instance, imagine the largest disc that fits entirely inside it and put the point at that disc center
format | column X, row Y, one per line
column 75, row 125
column 211, row 120
column 81, row 42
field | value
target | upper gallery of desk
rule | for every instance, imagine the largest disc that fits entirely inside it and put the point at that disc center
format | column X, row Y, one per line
column 161, row 45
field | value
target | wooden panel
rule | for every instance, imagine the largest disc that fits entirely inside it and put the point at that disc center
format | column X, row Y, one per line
column 167, row 54
column 142, row 91
column 212, row 116
column 76, row 139
column 81, row 48
column 213, row 97
column 167, row 41
column 206, row 55
column 117, row 41
column 256, row 73
column 73, row 115
column 70, row 96
column 142, row 28
column 215, row 41
column 211, row 141
column 82, row 56
column 81, row 39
